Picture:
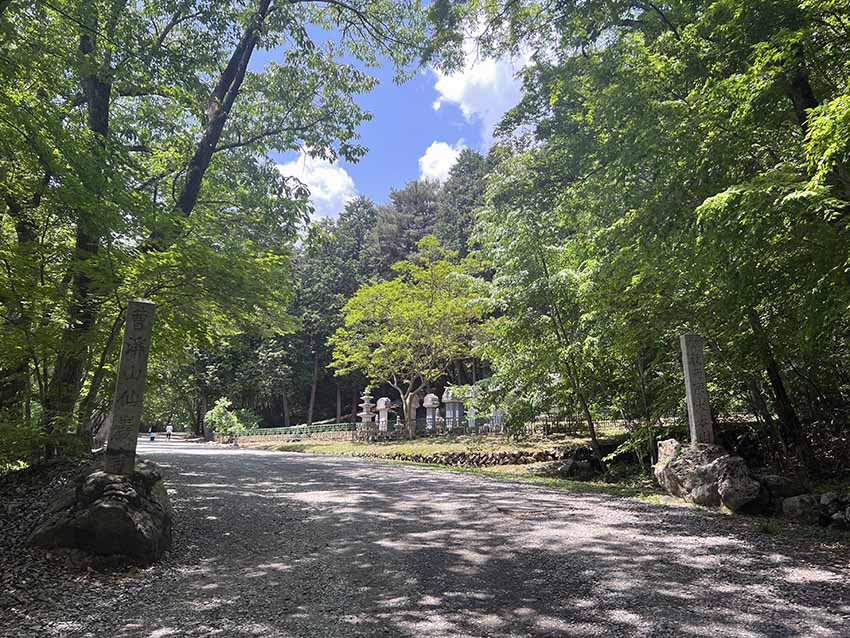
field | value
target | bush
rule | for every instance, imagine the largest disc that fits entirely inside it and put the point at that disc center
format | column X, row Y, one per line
column 21, row 443
column 227, row 422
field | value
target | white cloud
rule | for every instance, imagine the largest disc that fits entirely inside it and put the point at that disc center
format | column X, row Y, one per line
column 438, row 160
column 483, row 90
column 330, row 185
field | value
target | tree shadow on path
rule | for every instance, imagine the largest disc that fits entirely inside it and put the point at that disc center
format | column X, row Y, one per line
column 271, row 544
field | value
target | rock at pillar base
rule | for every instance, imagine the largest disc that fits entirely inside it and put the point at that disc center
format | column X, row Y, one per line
column 705, row 474
column 110, row 514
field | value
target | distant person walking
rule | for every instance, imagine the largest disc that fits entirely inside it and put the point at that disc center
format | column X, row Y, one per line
column 168, row 431
column 152, row 434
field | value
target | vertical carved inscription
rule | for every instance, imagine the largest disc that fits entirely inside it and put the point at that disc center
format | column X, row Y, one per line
column 128, row 402
column 696, row 388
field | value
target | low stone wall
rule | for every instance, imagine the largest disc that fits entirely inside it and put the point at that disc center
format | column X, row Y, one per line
column 288, row 438
column 473, row 459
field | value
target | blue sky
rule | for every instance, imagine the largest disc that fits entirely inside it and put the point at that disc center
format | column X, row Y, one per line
column 417, row 130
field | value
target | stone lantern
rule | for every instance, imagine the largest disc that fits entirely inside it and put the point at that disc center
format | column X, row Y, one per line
column 383, row 408
column 366, row 415
column 431, row 404
column 454, row 410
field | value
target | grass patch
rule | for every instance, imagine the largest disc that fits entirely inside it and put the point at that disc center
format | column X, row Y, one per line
column 424, row 445
column 526, row 474
column 8, row 468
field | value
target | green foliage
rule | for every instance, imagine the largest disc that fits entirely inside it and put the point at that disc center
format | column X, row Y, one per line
column 671, row 167
column 460, row 197
column 410, row 215
column 226, row 422
column 137, row 159
column 407, row 331
column 19, row 443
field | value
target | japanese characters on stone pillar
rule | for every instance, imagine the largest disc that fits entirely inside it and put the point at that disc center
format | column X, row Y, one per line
column 699, row 408
column 129, row 399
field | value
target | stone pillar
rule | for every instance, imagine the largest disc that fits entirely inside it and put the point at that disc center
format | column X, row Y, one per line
column 383, row 408
column 454, row 410
column 432, row 405
column 699, row 408
column 128, row 403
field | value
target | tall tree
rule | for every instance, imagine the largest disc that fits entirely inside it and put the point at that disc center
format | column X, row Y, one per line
column 410, row 215
column 461, row 195
column 145, row 171
column 407, row 331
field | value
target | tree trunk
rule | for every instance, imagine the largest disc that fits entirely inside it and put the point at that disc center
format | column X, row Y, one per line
column 218, row 109
column 314, row 382
column 88, row 403
column 338, row 403
column 585, row 408
column 804, row 100
column 409, row 415
column 791, row 430
column 354, row 398
column 64, row 388
column 285, row 401
column 760, row 406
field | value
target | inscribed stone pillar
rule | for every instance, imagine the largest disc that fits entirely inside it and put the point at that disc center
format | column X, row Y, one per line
column 128, row 402
column 432, row 405
column 383, row 408
column 699, row 409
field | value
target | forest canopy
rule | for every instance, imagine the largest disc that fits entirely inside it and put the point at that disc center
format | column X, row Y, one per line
column 670, row 167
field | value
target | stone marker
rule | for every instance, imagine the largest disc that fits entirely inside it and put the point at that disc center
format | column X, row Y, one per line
column 383, row 408
column 699, row 408
column 454, row 410
column 128, row 403
column 432, row 405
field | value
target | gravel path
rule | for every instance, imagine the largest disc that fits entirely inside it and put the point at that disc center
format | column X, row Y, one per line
column 279, row 545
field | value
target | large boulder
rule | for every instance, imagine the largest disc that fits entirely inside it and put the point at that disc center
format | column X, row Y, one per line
column 110, row 514
column 735, row 484
column 581, row 466
column 705, row 474
column 802, row 509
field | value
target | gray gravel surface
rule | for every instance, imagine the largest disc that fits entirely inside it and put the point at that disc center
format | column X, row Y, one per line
column 275, row 544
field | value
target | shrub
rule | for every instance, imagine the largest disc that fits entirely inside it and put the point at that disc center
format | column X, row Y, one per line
column 20, row 443
column 229, row 422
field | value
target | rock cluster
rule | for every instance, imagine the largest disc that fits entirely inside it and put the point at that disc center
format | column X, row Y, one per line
column 705, row 474
column 828, row 509
column 110, row 514
column 709, row 475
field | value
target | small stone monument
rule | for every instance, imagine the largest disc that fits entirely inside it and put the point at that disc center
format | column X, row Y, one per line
column 128, row 402
column 366, row 415
column 699, row 408
column 454, row 410
column 124, row 508
column 383, row 407
column 431, row 404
